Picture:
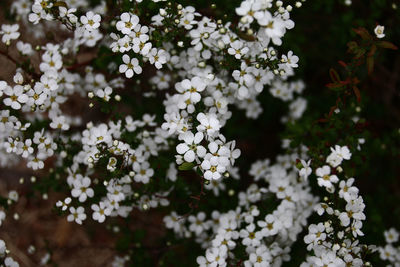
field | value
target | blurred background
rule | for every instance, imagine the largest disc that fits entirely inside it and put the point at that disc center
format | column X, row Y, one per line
column 323, row 28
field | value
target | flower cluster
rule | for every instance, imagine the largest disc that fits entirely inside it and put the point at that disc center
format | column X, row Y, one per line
column 111, row 158
column 334, row 242
column 266, row 238
column 7, row 260
column 390, row 252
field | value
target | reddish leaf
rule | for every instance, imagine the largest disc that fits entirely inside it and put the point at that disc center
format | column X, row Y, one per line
column 357, row 93
column 363, row 33
column 372, row 51
column 334, row 86
column 370, row 64
column 352, row 46
column 359, row 52
column 342, row 63
column 387, row 45
column 334, row 75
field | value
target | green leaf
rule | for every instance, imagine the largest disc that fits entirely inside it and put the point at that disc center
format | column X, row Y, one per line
column 186, row 166
column 61, row 3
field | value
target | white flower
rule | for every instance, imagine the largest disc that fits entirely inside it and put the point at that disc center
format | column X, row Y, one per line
column 91, row 21
column 127, row 23
column 172, row 221
column 10, row 262
column 81, row 189
column 13, row 195
column 143, row 172
column 35, row 163
column 391, row 236
column 354, row 210
column 140, row 33
column 130, row 67
column 347, row 191
column 9, row 32
column 25, row 148
column 172, row 172
column 315, row 233
column 16, row 96
column 272, row 27
column 216, row 256
column 270, row 225
column 105, row 94
column 215, row 186
column 157, row 57
column 100, row 212
column 24, row 48
column 250, row 237
column 306, row 170
column 291, row 60
column 191, row 147
column 261, row 257
column 388, row 253
column 2, row 247
column 213, row 170
column 198, row 224
column 324, row 177
column 209, row 123
column 191, row 89
column 78, row 215
column 68, row 13
column 112, row 164
column 187, row 20
column 379, row 31
column 237, row 49
column 59, row 122
column 2, row 217
column 337, row 155
column 247, row 10
column 63, row 204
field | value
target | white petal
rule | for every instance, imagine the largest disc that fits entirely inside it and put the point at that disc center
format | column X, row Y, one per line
column 189, row 156
column 125, row 17
column 206, row 165
column 126, row 59
column 201, row 151
column 182, row 148
column 129, row 73
column 198, row 137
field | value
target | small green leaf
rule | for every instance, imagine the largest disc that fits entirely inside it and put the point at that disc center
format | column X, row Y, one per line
column 61, row 3
column 186, row 166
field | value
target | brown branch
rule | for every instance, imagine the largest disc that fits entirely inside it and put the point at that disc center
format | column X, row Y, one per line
column 8, row 57
column 31, row 74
